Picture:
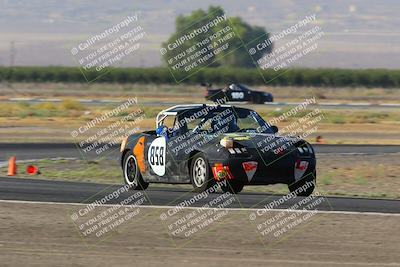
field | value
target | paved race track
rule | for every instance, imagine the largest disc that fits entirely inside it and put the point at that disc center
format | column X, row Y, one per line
column 72, row 192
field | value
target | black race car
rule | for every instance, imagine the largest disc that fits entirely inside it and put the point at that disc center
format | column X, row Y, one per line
column 203, row 144
column 238, row 93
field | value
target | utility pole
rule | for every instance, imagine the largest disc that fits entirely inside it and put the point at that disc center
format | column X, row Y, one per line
column 11, row 66
column 12, row 54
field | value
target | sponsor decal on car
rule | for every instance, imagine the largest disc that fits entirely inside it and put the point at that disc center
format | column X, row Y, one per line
column 250, row 168
column 300, row 168
column 221, row 172
column 156, row 155
column 138, row 152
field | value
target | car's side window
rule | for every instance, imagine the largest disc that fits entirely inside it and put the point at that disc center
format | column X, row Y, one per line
column 169, row 122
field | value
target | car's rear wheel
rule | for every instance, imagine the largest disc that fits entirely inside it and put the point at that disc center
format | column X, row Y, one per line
column 233, row 187
column 200, row 173
column 303, row 187
column 132, row 175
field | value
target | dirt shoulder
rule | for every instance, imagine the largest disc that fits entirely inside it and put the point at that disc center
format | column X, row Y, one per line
column 43, row 235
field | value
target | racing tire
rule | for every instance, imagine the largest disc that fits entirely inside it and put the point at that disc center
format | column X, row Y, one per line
column 233, row 187
column 294, row 187
column 200, row 173
column 131, row 173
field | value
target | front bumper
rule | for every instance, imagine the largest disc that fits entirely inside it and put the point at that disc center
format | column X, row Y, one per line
column 255, row 170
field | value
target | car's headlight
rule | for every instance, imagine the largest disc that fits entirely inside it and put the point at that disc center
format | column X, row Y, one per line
column 226, row 142
column 306, row 149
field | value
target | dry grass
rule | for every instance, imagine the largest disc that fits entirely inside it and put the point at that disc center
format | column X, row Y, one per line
column 183, row 91
column 50, row 122
column 53, row 122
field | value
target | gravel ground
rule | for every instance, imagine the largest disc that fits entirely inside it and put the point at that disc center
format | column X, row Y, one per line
column 44, row 235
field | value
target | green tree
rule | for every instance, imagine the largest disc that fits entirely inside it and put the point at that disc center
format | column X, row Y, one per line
column 246, row 36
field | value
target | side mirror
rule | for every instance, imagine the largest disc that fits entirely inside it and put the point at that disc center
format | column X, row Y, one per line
column 274, row 129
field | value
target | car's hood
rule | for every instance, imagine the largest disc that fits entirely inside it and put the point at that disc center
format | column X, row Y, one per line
column 260, row 140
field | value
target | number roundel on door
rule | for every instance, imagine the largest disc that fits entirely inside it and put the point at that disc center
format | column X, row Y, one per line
column 237, row 95
column 156, row 155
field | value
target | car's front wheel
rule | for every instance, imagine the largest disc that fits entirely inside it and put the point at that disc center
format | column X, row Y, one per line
column 200, row 173
column 132, row 175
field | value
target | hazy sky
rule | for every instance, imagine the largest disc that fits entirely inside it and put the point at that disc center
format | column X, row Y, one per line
column 358, row 34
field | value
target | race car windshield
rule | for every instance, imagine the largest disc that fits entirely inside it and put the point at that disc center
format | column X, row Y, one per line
column 243, row 87
column 238, row 87
column 227, row 120
column 251, row 121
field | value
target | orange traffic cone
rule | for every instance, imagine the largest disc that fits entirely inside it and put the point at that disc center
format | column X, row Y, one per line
column 32, row 170
column 12, row 166
column 319, row 139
